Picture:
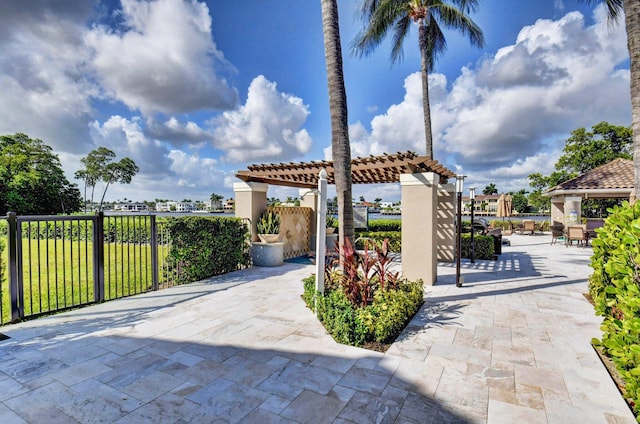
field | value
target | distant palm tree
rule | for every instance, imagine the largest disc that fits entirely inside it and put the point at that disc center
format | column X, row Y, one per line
column 340, row 147
column 631, row 9
column 383, row 16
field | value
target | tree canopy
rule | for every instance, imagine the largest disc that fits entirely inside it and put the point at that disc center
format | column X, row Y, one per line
column 584, row 150
column 490, row 189
column 32, row 181
column 99, row 166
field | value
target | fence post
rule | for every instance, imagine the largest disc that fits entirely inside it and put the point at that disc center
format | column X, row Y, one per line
column 14, row 284
column 98, row 257
column 154, row 252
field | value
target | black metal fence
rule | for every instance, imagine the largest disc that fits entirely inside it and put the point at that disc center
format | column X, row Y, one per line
column 52, row 263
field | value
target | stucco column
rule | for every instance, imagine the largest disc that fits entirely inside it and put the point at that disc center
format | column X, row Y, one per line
column 446, row 234
column 309, row 199
column 557, row 210
column 251, row 201
column 572, row 210
column 419, row 226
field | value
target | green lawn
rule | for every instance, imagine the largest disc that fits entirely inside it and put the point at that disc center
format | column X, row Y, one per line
column 60, row 273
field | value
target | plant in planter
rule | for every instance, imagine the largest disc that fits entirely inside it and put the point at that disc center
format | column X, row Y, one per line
column 269, row 227
column 331, row 223
column 365, row 303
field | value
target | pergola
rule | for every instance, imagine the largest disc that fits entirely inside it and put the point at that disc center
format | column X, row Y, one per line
column 385, row 168
column 427, row 201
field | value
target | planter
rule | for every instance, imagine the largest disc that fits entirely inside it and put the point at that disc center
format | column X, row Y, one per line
column 330, row 230
column 269, row 238
column 267, row 254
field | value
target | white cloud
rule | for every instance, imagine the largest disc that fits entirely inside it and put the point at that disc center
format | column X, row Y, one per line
column 500, row 120
column 177, row 133
column 267, row 127
column 163, row 59
column 42, row 74
column 164, row 172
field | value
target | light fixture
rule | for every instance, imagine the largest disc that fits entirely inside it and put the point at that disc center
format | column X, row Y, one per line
column 472, row 197
column 459, row 187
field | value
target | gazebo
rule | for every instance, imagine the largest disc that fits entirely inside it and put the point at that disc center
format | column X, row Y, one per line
column 613, row 180
column 427, row 200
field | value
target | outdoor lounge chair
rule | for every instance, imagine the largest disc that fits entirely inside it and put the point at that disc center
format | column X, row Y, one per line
column 528, row 226
column 557, row 232
column 576, row 233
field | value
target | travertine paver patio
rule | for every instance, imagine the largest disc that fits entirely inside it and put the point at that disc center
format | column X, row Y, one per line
column 510, row 346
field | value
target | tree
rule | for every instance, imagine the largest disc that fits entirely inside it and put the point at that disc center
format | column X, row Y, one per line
column 383, row 16
column 520, row 202
column 631, row 10
column 32, row 181
column 490, row 189
column 340, row 147
column 216, row 201
column 99, row 166
column 584, row 150
column 94, row 165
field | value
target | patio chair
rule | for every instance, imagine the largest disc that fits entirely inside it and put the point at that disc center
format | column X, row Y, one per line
column 557, row 233
column 528, row 226
column 576, row 233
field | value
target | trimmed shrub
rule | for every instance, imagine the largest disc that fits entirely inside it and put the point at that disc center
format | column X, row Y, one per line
column 381, row 321
column 202, row 247
column 484, row 247
column 385, row 225
column 394, row 237
column 614, row 287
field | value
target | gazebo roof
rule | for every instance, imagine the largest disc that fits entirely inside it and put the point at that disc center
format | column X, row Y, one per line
column 386, row 168
column 613, row 179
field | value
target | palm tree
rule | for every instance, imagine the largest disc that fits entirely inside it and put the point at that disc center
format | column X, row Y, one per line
column 340, row 147
column 383, row 16
column 631, row 9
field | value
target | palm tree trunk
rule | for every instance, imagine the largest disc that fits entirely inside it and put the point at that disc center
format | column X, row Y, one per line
column 425, row 87
column 340, row 148
column 632, row 23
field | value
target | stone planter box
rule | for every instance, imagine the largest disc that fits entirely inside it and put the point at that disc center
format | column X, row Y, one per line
column 267, row 254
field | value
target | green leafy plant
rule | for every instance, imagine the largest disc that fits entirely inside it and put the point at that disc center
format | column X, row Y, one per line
column 364, row 301
column 614, row 287
column 394, row 239
column 332, row 221
column 484, row 247
column 269, row 223
column 203, row 247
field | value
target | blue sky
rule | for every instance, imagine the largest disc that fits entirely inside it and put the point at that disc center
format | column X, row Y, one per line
column 195, row 90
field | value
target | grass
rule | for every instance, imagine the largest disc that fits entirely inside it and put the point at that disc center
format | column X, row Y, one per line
column 60, row 274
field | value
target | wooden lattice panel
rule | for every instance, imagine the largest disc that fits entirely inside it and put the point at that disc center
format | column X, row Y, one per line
column 295, row 229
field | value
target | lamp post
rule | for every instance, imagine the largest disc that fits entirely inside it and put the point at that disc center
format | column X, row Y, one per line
column 472, row 197
column 459, row 188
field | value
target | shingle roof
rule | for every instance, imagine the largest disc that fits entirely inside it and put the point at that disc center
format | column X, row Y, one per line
column 617, row 174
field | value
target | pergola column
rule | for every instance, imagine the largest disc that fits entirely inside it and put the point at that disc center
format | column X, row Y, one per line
column 251, row 201
column 420, row 226
column 446, row 234
column 309, row 199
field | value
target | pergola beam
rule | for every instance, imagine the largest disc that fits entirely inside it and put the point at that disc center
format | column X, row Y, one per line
column 385, row 168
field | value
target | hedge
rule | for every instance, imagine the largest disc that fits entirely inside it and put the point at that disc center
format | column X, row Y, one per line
column 382, row 321
column 202, row 247
column 614, row 287
column 484, row 246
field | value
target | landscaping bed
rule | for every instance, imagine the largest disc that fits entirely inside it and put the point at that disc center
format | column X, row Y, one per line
column 364, row 304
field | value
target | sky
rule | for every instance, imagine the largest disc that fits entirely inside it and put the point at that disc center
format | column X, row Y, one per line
column 194, row 91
